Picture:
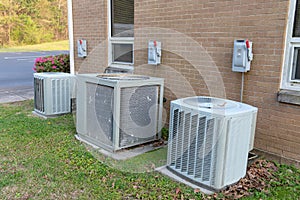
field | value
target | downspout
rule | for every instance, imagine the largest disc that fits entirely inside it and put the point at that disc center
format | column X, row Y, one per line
column 71, row 36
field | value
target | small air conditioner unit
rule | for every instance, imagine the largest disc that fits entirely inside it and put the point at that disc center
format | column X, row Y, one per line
column 52, row 93
column 116, row 111
column 209, row 140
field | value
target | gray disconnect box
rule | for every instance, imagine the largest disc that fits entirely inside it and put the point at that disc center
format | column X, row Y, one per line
column 242, row 56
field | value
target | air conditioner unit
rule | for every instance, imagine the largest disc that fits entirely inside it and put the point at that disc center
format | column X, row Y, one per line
column 116, row 111
column 209, row 140
column 52, row 93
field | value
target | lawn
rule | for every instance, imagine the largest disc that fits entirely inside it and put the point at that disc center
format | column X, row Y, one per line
column 50, row 46
column 41, row 159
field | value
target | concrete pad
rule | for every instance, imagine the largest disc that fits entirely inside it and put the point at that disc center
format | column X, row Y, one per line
column 123, row 154
column 129, row 153
column 46, row 116
column 168, row 173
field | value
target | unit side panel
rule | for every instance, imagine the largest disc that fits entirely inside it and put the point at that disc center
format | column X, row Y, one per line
column 238, row 137
column 138, row 115
column 99, row 118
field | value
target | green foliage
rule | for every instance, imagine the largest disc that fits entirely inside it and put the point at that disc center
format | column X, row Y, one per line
column 58, row 63
column 27, row 27
column 32, row 21
column 165, row 134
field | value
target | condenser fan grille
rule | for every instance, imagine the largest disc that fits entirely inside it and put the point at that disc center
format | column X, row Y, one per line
column 100, row 101
column 193, row 145
column 61, row 95
column 39, row 94
column 138, row 114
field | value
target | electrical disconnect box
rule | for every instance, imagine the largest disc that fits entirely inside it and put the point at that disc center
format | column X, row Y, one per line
column 242, row 56
column 154, row 52
column 82, row 51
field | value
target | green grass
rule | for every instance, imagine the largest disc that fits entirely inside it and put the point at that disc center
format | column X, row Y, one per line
column 285, row 186
column 41, row 159
column 50, row 46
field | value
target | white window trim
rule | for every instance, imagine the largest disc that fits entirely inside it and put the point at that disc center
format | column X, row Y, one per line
column 117, row 40
column 290, row 43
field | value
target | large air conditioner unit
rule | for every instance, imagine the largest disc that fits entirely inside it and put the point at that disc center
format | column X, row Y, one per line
column 52, row 93
column 116, row 111
column 209, row 140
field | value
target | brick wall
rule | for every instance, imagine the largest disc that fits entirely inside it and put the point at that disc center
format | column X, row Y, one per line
column 90, row 23
column 197, row 41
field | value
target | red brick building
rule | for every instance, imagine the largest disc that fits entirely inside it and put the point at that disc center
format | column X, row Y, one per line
column 197, row 44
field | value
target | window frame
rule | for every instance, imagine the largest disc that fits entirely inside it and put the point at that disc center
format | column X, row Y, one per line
column 290, row 43
column 117, row 40
column 292, row 67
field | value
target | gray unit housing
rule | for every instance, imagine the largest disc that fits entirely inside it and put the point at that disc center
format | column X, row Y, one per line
column 52, row 93
column 115, row 112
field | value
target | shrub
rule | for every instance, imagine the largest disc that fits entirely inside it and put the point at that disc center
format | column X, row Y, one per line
column 58, row 63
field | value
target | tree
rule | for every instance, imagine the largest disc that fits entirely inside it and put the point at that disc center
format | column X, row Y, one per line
column 32, row 21
column 8, row 18
column 59, row 9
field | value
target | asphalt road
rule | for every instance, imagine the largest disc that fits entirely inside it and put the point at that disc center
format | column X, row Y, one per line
column 16, row 69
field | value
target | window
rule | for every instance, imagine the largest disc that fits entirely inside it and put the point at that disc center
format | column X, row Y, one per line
column 121, row 34
column 296, row 64
column 291, row 68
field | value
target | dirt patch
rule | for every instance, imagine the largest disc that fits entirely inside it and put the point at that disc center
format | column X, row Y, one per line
column 11, row 192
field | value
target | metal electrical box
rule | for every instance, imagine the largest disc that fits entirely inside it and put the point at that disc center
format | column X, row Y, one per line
column 154, row 52
column 82, row 49
column 242, row 56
